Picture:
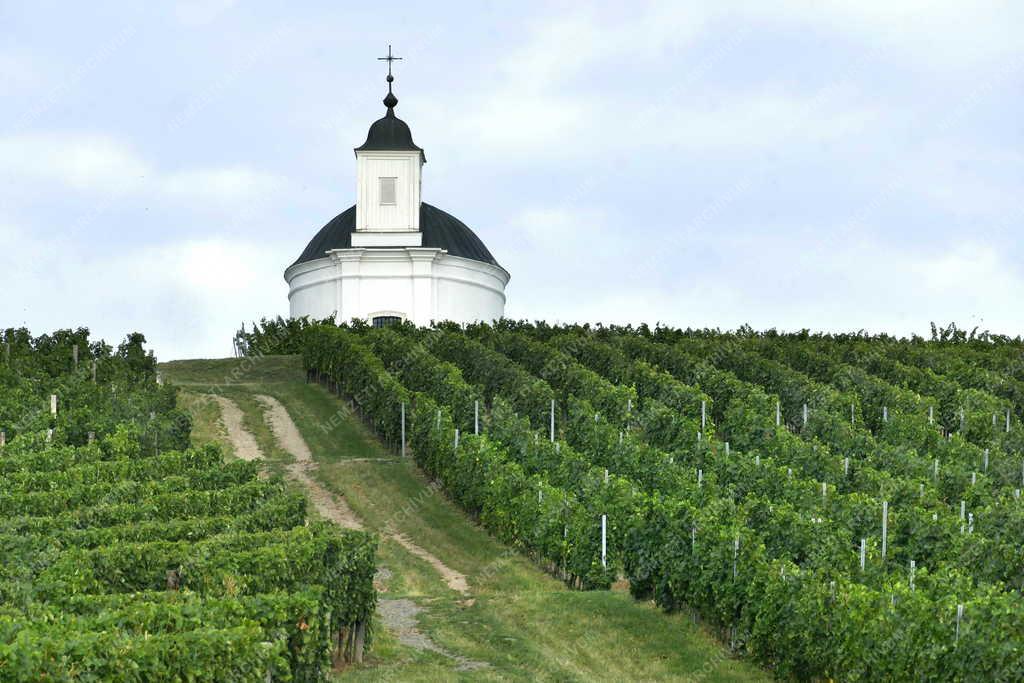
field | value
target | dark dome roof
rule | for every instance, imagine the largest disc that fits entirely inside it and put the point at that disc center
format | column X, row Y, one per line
column 389, row 133
column 440, row 229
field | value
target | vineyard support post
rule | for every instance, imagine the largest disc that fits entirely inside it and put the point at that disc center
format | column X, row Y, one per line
column 959, row 617
column 985, row 466
column 74, row 355
column 403, row 429
column 727, row 448
column 931, row 414
column 885, row 527
column 805, row 415
column 885, row 413
column 735, row 555
column 704, row 415
column 604, row 541
column 476, row 417
column 778, row 413
column 552, row 420
column 456, row 437
column 1007, row 420
column 846, row 467
column 53, row 404
column 913, row 570
column 3, row 438
column 863, row 552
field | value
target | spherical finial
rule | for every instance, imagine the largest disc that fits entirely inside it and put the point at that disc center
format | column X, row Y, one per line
column 390, row 100
column 390, row 78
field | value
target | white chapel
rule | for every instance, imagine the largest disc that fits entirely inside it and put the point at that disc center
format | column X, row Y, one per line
column 392, row 256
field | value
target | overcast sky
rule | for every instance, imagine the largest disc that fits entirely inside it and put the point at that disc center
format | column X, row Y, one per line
column 828, row 165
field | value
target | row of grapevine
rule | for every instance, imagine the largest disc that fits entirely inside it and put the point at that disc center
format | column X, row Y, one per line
column 127, row 555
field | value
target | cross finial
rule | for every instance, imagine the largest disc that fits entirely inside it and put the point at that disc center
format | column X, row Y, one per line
column 390, row 101
column 390, row 58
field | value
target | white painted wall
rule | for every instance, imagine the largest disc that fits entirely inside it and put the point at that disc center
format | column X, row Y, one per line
column 404, row 215
column 420, row 284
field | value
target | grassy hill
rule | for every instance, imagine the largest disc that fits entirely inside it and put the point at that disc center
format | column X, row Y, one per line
column 512, row 622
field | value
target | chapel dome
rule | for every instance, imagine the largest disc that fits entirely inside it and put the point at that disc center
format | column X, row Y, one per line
column 440, row 229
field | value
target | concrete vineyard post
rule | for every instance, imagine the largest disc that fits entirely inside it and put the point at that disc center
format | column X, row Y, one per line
column 456, row 437
column 476, row 417
column 863, row 552
column 735, row 555
column 403, row 429
column 913, row 570
column 959, row 617
column 985, row 465
column 726, row 448
column 778, row 413
column 3, row 438
column 805, row 415
column 704, row 415
column 931, row 414
column 885, row 527
column 885, row 413
column 553, row 420
column 53, row 404
column 846, row 467
column 604, row 541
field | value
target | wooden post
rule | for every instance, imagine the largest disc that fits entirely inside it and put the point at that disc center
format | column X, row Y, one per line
column 885, row 527
column 553, row 420
column 403, row 429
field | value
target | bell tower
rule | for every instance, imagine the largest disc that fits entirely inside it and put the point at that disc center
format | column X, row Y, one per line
column 388, row 180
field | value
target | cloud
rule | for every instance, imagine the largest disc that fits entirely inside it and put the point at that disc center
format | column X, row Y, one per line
column 188, row 296
column 83, row 162
column 102, row 165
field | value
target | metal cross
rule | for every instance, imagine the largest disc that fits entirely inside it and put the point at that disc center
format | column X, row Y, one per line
column 390, row 58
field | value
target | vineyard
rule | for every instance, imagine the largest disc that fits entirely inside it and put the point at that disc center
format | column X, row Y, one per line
column 843, row 507
column 128, row 555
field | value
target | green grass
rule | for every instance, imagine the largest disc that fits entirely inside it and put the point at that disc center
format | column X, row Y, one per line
column 519, row 620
